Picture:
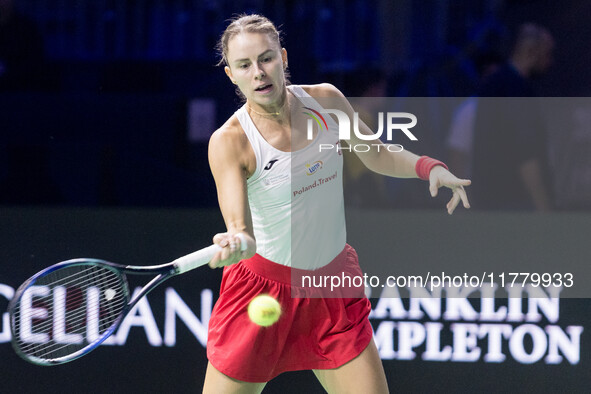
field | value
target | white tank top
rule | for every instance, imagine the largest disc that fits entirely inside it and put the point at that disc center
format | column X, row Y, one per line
column 296, row 198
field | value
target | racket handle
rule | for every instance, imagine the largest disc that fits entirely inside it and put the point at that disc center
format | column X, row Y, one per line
column 203, row 256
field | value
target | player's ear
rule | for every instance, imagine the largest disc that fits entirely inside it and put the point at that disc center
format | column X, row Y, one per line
column 228, row 72
column 284, row 57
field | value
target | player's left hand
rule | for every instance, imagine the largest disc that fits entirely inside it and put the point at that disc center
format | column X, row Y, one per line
column 440, row 177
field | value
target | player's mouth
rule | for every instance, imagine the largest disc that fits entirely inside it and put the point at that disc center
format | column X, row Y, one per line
column 264, row 89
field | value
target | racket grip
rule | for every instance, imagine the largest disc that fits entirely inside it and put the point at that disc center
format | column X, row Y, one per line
column 203, row 256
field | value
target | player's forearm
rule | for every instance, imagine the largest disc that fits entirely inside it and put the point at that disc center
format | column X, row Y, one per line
column 392, row 163
column 385, row 159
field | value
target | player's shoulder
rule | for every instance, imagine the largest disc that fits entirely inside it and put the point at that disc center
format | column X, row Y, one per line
column 230, row 130
column 229, row 136
column 322, row 90
column 229, row 148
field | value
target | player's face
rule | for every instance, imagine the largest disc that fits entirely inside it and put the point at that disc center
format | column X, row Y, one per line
column 256, row 64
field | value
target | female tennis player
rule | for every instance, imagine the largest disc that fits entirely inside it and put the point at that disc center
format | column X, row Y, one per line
column 261, row 161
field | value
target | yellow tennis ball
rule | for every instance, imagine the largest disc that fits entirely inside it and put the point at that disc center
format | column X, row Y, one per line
column 264, row 310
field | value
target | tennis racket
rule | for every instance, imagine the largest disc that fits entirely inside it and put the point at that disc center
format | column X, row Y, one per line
column 68, row 309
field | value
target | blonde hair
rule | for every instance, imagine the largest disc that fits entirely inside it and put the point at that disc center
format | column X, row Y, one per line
column 249, row 23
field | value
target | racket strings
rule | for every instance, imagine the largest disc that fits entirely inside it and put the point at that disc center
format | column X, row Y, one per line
column 77, row 321
column 74, row 322
column 79, row 285
column 80, row 296
column 90, row 300
column 89, row 282
column 57, row 278
column 74, row 300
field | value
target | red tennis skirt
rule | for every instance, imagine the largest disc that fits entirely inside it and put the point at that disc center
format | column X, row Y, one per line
column 312, row 332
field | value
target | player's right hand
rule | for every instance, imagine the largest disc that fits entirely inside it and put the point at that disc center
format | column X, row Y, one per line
column 231, row 252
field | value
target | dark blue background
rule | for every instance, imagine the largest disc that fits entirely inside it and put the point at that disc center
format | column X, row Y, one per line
column 102, row 121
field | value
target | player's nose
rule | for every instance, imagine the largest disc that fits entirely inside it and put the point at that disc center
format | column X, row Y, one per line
column 259, row 73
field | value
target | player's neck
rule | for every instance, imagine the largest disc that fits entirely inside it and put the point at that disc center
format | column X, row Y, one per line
column 278, row 112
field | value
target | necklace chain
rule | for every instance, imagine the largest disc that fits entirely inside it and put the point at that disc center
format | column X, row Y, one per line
column 263, row 113
column 267, row 113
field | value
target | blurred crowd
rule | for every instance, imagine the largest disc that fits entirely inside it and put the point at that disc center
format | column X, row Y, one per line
column 119, row 134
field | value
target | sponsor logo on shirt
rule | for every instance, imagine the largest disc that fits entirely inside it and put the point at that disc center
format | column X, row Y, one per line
column 312, row 168
column 270, row 164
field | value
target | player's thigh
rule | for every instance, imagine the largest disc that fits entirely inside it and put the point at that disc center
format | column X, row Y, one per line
column 363, row 374
column 218, row 383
